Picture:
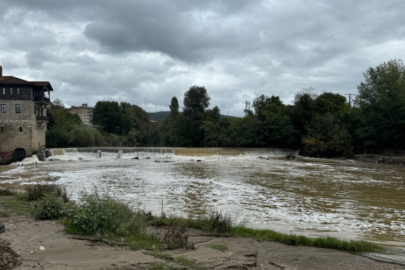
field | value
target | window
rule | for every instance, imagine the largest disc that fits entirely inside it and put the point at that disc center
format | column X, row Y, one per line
column 20, row 129
column 3, row 108
column 4, row 91
column 11, row 91
column 17, row 108
column 2, row 129
column 18, row 91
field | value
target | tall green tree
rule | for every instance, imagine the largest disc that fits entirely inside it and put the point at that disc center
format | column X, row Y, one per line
column 381, row 99
column 211, row 127
column 108, row 115
column 196, row 101
column 171, row 133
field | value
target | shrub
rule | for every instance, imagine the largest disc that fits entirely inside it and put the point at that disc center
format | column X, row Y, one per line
column 49, row 207
column 36, row 192
column 5, row 192
column 102, row 215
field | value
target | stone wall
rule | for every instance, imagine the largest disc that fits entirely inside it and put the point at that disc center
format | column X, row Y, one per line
column 21, row 130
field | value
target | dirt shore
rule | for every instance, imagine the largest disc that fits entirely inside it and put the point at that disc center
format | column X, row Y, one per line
column 381, row 159
column 45, row 245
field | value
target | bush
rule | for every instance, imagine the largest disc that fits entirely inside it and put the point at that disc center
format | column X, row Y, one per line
column 49, row 207
column 6, row 192
column 102, row 215
column 36, row 192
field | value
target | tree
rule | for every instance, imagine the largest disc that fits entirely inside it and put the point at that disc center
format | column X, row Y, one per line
column 58, row 103
column 381, row 100
column 171, row 129
column 174, row 107
column 196, row 101
column 330, row 103
column 304, row 109
column 107, row 114
column 327, row 138
column 211, row 127
column 262, row 101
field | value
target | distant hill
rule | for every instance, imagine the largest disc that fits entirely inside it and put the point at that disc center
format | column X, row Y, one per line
column 161, row 116
column 158, row 116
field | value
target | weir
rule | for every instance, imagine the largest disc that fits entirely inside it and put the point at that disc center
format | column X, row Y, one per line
column 57, row 152
column 167, row 152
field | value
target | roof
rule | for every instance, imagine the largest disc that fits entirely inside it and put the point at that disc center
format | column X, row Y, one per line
column 11, row 80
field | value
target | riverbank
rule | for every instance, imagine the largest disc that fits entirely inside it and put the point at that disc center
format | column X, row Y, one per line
column 45, row 245
column 381, row 159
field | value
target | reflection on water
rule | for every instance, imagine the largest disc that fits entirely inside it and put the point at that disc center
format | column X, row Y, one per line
column 314, row 197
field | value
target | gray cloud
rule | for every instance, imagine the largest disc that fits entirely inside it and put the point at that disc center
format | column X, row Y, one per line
column 145, row 52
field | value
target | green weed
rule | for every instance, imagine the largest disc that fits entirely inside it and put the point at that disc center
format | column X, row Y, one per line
column 323, row 242
column 6, row 192
column 186, row 262
column 13, row 205
column 4, row 214
column 219, row 247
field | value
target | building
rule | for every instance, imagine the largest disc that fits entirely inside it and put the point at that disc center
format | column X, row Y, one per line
column 23, row 117
column 84, row 112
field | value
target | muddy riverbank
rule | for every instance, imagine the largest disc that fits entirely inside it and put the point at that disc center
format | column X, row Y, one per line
column 45, row 245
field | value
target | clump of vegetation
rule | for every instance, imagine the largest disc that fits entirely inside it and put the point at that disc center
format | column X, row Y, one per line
column 323, row 242
column 215, row 222
column 219, row 247
column 186, row 262
column 49, row 207
column 4, row 214
column 100, row 215
column 175, row 238
column 219, row 223
column 38, row 191
column 6, row 192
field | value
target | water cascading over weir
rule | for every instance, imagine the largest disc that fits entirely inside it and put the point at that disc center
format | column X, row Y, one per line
column 167, row 152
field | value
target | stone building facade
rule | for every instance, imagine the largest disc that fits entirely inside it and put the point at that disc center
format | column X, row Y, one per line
column 23, row 117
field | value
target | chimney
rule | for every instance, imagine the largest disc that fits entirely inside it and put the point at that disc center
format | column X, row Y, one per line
column 1, row 71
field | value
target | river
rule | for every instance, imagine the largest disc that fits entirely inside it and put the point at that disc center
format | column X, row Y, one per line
column 314, row 197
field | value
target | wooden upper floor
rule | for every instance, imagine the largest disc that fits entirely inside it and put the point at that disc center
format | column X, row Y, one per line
column 12, row 88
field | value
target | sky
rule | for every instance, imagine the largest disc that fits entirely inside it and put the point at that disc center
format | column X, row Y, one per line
column 146, row 51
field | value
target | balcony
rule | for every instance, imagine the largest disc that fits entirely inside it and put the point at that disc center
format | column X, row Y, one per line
column 42, row 119
column 43, row 99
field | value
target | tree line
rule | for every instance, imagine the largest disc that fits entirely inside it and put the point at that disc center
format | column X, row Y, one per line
column 321, row 124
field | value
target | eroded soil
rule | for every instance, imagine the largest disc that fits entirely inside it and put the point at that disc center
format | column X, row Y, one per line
column 45, row 245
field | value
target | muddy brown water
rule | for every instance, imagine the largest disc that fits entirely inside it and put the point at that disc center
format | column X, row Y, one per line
column 313, row 197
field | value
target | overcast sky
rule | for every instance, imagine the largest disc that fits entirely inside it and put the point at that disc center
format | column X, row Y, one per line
column 146, row 51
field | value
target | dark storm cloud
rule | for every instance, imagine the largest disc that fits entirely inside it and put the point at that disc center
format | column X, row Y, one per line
column 146, row 51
